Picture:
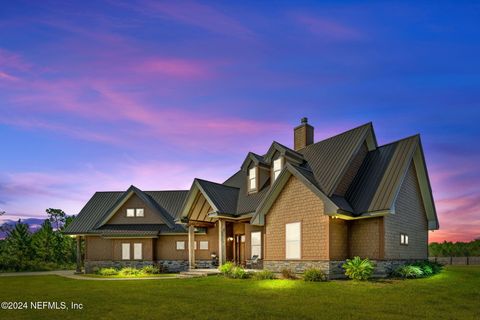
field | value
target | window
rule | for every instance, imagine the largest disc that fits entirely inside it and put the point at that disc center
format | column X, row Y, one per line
column 125, row 251
column 203, row 245
column 130, row 212
column 292, row 237
column 256, row 239
column 180, row 245
column 137, row 251
column 403, row 239
column 139, row 212
column 277, row 168
column 252, row 179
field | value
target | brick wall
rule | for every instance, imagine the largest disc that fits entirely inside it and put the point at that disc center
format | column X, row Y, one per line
column 296, row 203
column 409, row 218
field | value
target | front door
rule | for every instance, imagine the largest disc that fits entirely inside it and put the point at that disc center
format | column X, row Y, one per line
column 239, row 250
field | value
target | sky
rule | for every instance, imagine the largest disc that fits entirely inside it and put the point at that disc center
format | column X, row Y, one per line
column 100, row 95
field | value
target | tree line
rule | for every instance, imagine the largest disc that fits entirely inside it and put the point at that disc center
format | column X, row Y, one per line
column 454, row 249
column 46, row 249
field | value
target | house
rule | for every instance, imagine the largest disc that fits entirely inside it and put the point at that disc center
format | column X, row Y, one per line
column 311, row 206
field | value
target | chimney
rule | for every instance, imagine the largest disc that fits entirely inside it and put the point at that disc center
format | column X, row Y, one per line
column 302, row 135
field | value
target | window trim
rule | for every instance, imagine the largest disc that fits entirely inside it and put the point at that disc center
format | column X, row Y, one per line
column 143, row 212
column 404, row 239
column 257, row 245
column 299, row 241
column 200, row 245
column 135, row 246
column 249, row 180
column 126, row 245
column 282, row 163
column 130, row 216
column 178, row 242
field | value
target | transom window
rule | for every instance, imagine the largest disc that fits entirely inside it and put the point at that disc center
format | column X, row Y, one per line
column 256, row 242
column 277, row 168
column 135, row 212
column 252, row 179
column 403, row 239
column 292, row 239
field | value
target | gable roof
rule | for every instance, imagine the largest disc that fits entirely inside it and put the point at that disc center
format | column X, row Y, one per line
column 88, row 221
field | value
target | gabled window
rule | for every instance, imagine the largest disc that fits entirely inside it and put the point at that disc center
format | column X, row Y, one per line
column 130, row 213
column 252, row 179
column 403, row 239
column 135, row 212
column 139, row 212
column 277, row 167
column 292, row 240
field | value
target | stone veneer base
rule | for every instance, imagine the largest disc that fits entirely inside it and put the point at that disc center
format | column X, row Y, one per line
column 333, row 269
column 165, row 265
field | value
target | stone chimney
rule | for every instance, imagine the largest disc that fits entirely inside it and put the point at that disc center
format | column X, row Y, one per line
column 302, row 135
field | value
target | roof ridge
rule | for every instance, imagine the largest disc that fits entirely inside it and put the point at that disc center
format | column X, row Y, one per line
column 220, row 184
column 166, row 190
column 341, row 133
column 400, row 140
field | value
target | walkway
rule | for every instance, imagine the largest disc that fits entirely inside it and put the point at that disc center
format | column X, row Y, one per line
column 71, row 275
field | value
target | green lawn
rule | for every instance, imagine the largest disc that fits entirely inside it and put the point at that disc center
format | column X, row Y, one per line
column 141, row 275
column 453, row 294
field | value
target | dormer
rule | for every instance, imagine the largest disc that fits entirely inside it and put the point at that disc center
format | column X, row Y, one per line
column 257, row 172
column 278, row 156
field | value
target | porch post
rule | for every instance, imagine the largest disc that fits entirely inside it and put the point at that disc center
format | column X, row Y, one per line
column 191, row 247
column 222, row 242
column 79, row 254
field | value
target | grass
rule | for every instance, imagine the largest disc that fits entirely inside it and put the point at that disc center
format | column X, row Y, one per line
column 140, row 275
column 452, row 294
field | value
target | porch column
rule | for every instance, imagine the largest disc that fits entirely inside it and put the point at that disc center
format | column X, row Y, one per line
column 191, row 247
column 79, row 254
column 222, row 242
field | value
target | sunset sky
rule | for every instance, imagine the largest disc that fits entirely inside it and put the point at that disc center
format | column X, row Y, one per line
column 96, row 96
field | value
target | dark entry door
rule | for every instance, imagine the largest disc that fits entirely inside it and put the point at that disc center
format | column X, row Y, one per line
column 240, row 249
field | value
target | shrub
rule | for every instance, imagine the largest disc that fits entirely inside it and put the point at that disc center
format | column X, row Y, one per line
column 288, row 273
column 238, row 273
column 408, row 271
column 264, row 275
column 127, row 271
column 107, row 271
column 428, row 267
column 314, row 274
column 358, row 269
column 150, row 270
column 226, row 268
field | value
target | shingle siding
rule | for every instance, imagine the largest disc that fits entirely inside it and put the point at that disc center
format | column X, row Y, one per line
column 409, row 218
column 365, row 238
column 296, row 203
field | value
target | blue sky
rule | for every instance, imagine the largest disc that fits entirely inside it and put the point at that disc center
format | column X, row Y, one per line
column 101, row 95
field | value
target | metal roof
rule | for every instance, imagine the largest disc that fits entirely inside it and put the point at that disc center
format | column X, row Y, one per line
column 224, row 197
column 101, row 203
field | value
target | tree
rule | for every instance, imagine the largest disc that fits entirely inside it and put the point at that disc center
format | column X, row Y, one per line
column 43, row 242
column 19, row 251
column 57, row 217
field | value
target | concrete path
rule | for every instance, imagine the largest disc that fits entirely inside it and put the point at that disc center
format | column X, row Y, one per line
column 71, row 275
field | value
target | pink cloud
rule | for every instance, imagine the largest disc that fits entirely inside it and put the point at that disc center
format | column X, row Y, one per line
column 6, row 76
column 194, row 14
column 327, row 28
column 182, row 68
column 12, row 61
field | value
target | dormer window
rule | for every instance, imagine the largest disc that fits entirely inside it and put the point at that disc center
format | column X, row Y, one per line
column 252, row 179
column 135, row 212
column 277, row 167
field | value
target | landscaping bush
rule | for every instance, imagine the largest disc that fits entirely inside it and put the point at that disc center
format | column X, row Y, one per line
column 127, row 271
column 314, row 274
column 264, row 275
column 150, row 270
column 107, row 271
column 238, row 273
column 226, row 268
column 409, row 271
column 428, row 267
column 288, row 273
column 358, row 269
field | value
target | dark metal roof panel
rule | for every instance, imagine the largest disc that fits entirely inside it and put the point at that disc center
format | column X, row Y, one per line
column 171, row 201
column 377, row 180
column 224, row 197
column 247, row 203
column 329, row 158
